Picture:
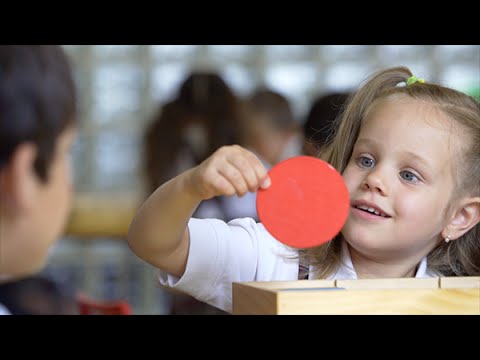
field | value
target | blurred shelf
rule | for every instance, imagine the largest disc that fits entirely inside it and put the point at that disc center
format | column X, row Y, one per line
column 101, row 215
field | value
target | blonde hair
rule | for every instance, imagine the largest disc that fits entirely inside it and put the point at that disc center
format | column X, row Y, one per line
column 456, row 258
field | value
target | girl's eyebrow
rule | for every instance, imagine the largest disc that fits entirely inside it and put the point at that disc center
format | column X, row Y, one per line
column 365, row 141
column 409, row 154
column 418, row 158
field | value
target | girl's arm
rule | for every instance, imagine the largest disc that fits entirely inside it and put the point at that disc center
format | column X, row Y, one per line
column 159, row 235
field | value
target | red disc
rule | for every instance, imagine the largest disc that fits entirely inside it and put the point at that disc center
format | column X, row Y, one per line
column 307, row 203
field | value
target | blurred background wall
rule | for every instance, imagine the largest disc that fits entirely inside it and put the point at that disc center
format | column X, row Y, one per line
column 120, row 86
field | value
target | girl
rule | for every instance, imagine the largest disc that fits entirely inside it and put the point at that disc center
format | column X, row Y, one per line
column 409, row 153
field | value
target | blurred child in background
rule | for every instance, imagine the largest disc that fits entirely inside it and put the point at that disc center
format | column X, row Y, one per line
column 203, row 116
column 270, row 131
column 319, row 126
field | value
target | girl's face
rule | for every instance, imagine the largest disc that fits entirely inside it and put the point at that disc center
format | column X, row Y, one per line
column 400, row 178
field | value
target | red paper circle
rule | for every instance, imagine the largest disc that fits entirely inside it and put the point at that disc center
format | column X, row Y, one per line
column 307, row 203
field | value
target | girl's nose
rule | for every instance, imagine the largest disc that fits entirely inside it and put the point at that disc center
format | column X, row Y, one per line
column 374, row 181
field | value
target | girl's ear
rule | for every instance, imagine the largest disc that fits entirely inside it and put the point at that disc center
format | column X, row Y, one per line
column 465, row 217
column 18, row 179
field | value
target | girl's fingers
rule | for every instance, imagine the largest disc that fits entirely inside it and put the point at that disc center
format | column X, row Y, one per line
column 246, row 168
column 234, row 176
column 261, row 173
column 231, row 170
column 222, row 186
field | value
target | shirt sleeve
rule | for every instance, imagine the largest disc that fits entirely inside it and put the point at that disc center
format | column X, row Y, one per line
column 222, row 253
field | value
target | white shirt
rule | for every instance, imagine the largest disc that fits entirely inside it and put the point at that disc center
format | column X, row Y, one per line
column 242, row 250
column 4, row 310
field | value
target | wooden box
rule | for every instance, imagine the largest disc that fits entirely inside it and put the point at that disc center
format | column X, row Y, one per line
column 453, row 295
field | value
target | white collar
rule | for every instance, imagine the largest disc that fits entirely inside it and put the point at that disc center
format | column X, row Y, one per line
column 346, row 270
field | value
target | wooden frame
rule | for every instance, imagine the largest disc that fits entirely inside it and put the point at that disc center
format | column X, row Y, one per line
column 453, row 295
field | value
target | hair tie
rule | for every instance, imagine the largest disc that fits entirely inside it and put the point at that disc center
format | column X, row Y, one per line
column 413, row 79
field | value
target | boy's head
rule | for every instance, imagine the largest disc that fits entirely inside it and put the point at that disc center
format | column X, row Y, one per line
column 37, row 118
column 269, row 125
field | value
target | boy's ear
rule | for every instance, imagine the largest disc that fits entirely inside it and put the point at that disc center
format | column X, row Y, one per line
column 466, row 216
column 18, row 178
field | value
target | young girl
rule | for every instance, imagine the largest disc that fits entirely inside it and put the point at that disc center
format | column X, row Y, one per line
column 409, row 153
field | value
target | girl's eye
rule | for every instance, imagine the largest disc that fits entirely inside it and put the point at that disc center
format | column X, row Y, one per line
column 365, row 162
column 409, row 176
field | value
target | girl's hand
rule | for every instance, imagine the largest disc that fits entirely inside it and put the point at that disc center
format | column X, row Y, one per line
column 228, row 171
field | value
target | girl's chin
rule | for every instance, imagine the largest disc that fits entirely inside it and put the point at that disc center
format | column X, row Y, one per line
column 362, row 237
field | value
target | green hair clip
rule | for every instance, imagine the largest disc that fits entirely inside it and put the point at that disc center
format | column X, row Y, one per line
column 413, row 79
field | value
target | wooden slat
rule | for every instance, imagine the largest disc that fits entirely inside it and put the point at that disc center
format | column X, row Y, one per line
column 250, row 300
column 294, row 284
column 390, row 301
column 397, row 283
column 365, row 296
column 462, row 282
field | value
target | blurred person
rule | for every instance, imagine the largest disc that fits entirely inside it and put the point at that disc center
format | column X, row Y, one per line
column 270, row 131
column 269, row 127
column 37, row 128
column 320, row 124
column 203, row 116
